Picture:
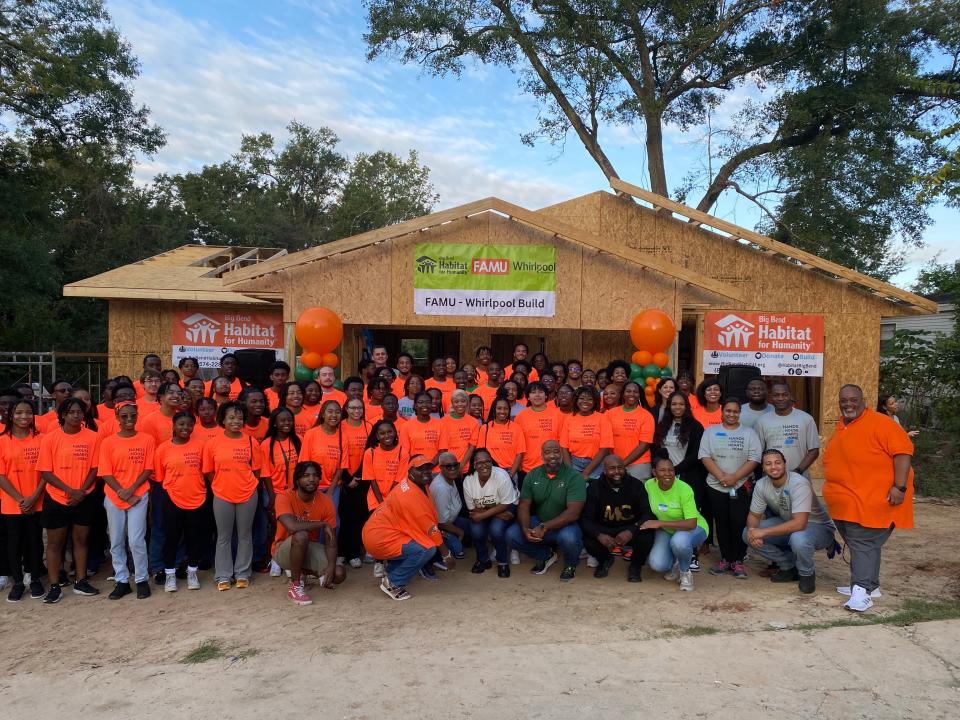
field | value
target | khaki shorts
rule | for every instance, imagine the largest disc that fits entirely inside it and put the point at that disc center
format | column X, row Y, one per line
column 316, row 558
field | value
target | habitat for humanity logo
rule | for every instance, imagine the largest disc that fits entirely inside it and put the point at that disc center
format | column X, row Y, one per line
column 735, row 332
column 426, row 264
column 201, row 329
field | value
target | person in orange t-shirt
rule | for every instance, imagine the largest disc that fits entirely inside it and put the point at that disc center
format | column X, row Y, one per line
column 385, row 462
column 21, row 493
column 489, row 387
column 405, row 530
column 352, row 508
column 707, row 410
column 48, row 422
column 207, row 426
column 68, row 466
column 231, row 465
column 323, row 445
column 520, row 352
column 586, row 436
column 150, row 362
column 459, row 430
column 421, row 435
column 541, row 421
column 148, row 403
column 292, row 398
column 377, row 389
column 229, row 367
column 256, row 403
column 178, row 467
column 126, row 464
column 632, row 427
column 159, row 424
column 281, row 452
column 306, row 540
column 868, row 489
column 404, row 371
column 327, row 378
column 440, row 381
column 279, row 376
column 503, row 438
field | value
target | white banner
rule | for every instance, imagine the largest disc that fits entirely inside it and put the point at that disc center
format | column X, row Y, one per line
column 504, row 303
column 207, row 356
column 770, row 363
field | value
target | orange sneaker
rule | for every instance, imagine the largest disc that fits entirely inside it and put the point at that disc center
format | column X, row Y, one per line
column 243, row 583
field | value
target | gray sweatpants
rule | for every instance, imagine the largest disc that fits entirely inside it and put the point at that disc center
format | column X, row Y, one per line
column 864, row 544
column 227, row 514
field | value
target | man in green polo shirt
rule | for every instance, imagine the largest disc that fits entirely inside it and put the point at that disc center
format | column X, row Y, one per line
column 551, row 501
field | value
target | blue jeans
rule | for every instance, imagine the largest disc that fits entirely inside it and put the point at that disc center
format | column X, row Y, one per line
column 413, row 556
column 128, row 525
column 580, row 464
column 496, row 530
column 568, row 540
column 677, row 547
column 454, row 543
column 796, row 549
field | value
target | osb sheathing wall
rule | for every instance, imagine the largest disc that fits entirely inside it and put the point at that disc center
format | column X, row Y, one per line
column 852, row 317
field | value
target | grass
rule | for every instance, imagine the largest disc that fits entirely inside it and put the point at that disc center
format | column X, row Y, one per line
column 674, row 631
column 934, row 460
column 214, row 650
column 912, row 612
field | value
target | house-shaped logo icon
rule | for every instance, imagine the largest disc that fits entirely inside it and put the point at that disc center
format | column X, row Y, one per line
column 426, row 264
column 734, row 332
column 201, row 329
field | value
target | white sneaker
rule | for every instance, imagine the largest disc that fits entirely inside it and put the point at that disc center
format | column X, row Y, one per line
column 193, row 582
column 514, row 557
column 686, row 581
column 845, row 590
column 674, row 573
column 170, row 584
column 356, row 563
column 341, row 560
column 859, row 600
column 27, row 579
column 378, row 570
column 275, row 570
column 4, row 581
column 592, row 561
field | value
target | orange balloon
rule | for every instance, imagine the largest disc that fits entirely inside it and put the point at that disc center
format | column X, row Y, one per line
column 652, row 382
column 642, row 357
column 661, row 359
column 312, row 360
column 653, row 330
column 319, row 330
column 331, row 360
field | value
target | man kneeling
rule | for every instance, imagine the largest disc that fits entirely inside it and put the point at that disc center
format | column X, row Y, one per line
column 800, row 525
column 306, row 542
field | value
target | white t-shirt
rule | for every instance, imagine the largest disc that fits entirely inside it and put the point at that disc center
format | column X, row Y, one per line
column 499, row 490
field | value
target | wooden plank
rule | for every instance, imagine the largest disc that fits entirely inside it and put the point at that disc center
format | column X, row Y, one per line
column 221, row 296
column 814, row 260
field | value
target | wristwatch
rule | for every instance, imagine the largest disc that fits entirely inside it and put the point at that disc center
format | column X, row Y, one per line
column 901, row 489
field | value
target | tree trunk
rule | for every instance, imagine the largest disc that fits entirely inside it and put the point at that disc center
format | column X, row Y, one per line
column 655, row 166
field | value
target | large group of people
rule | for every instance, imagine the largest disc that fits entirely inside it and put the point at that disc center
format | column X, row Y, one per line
column 174, row 474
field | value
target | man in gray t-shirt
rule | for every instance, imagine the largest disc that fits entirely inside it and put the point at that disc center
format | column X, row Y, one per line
column 793, row 432
column 799, row 527
column 756, row 406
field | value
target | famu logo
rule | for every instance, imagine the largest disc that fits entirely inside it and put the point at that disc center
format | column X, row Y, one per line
column 426, row 264
column 490, row 266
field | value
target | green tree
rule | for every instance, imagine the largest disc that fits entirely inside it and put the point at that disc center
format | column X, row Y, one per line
column 939, row 279
column 841, row 84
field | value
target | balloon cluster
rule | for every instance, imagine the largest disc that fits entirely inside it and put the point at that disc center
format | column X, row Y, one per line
column 319, row 330
column 652, row 332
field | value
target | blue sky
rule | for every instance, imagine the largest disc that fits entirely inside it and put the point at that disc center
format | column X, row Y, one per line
column 214, row 70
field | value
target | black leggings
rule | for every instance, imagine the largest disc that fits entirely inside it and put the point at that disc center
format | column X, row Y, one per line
column 177, row 523
column 641, row 545
column 353, row 515
column 730, row 515
column 24, row 546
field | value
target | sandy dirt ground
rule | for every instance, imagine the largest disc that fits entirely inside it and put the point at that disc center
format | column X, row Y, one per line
column 479, row 646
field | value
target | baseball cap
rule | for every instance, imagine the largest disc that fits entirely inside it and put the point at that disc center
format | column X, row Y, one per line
column 420, row 461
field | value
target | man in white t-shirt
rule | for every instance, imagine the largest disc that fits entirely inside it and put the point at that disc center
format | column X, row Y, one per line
column 793, row 432
column 799, row 527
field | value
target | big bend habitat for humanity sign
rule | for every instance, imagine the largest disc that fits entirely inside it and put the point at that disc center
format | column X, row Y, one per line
column 497, row 280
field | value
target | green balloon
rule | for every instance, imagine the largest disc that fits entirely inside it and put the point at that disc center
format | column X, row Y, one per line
column 337, row 384
column 303, row 373
column 651, row 370
column 666, row 372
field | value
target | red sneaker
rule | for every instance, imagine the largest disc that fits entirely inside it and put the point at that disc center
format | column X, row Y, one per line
column 616, row 550
column 297, row 595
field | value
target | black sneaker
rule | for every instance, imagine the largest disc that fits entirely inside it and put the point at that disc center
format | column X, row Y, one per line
column 603, row 569
column 63, row 580
column 53, row 594
column 808, row 584
column 785, row 575
column 541, row 567
column 568, row 572
column 181, row 572
column 143, row 590
column 503, row 571
column 160, row 578
column 36, row 589
column 16, row 592
column 82, row 587
column 634, row 574
column 479, row 567
column 121, row 589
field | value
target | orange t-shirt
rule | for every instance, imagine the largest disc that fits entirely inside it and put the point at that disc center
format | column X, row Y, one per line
column 693, row 401
column 481, row 374
column 504, row 442
column 235, row 464
column 629, row 430
column 372, row 413
column 532, row 377
column 538, row 427
column 235, row 388
column 385, row 468
column 325, row 449
column 47, row 423
column 333, row 394
column 257, row 432
column 126, row 458
column 354, row 442
column 103, row 412
column 320, row 509
column 408, row 513
column 138, row 388
column 396, row 387
column 303, row 421
column 18, row 463
column 489, row 394
column 272, row 398
column 203, row 434
column 146, row 408
column 156, row 425
column 705, row 417
column 70, row 458
column 858, row 467
column 279, row 464
column 179, row 469
column 457, row 434
column 584, row 435
column 421, row 438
